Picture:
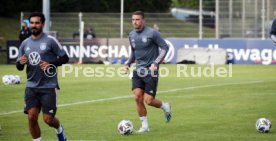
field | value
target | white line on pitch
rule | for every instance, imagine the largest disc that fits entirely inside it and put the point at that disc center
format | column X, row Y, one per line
column 129, row 96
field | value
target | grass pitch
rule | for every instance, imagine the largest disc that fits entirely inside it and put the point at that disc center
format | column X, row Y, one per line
column 203, row 108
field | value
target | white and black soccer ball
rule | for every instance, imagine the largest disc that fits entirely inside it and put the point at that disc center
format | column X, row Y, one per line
column 263, row 125
column 17, row 79
column 125, row 127
column 11, row 79
column 7, row 80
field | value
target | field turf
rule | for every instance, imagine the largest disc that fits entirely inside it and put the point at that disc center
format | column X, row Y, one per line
column 204, row 108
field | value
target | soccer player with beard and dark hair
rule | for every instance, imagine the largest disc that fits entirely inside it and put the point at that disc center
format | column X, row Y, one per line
column 42, row 54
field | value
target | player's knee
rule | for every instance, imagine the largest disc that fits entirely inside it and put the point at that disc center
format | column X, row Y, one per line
column 138, row 98
column 32, row 117
column 138, row 95
column 48, row 120
column 148, row 100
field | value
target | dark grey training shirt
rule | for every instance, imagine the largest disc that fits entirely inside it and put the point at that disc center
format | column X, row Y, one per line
column 145, row 46
column 46, row 48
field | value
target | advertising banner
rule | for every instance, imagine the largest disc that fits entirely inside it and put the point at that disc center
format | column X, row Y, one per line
column 116, row 50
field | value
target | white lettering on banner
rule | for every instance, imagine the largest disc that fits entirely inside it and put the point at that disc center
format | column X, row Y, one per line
column 74, row 51
column 187, row 46
column 241, row 54
column 213, row 46
column 264, row 56
column 103, row 51
column 255, row 55
column 85, row 52
column 123, row 52
column 13, row 52
column 95, row 51
column 113, row 51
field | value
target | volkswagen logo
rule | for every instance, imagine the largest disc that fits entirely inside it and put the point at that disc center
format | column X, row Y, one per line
column 34, row 58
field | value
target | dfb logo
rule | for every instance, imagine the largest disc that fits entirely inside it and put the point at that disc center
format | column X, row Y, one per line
column 34, row 58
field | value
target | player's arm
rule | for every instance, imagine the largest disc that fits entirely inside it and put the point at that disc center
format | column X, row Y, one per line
column 273, row 38
column 61, row 60
column 21, row 59
column 130, row 59
column 162, row 45
column 62, row 57
column 273, row 31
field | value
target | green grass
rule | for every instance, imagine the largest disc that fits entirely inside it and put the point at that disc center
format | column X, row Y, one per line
column 204, row 108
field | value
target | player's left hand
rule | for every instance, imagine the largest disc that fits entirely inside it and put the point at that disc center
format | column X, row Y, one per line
column 153, row 67
column 44, row 65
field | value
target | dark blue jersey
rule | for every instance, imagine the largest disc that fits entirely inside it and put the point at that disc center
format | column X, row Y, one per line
column 147, row 47
column 273, row 28
column 45, row 48
column 273, row 31
column 24, row 34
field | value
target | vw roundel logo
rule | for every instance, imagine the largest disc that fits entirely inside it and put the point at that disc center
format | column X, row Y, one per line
column 34, row 58
column 170, row 54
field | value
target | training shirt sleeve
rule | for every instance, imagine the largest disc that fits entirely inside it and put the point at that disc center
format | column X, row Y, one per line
column 131, row 56
column 162, row 45
column 62, row 57
column 21, row 52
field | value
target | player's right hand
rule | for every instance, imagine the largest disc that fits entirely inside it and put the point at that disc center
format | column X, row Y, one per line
column 126, row 69
column 23, row 59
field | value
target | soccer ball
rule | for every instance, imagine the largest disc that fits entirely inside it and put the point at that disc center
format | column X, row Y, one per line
column 6, row 79
column 17, row 79
column 263, row 125
column 11, row 79
column 125, row 127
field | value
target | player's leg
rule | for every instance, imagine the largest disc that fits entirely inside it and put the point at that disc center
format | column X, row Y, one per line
column 33, row 122
column 32, row 109
column 51, row 121
column 151, row 101
column 166, row 107
column 138, row 91
column 49, row 108
column 141, row 109
column 139, row 100
column 151, row 83
column 54, row 122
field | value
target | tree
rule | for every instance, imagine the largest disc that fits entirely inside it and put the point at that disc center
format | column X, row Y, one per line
column 14, row 7
column 194, row 4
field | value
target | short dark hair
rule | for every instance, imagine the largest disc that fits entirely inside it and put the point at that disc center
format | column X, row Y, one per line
column 141, row 13
column 38, row 14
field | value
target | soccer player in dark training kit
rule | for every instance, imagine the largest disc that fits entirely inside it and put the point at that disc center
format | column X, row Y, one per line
column 41, row 53
column 273, row 31
column 145, row 44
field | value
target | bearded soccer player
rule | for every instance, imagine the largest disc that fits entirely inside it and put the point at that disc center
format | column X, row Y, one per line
column 42, row 54
column 145, row 44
